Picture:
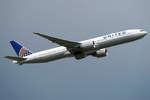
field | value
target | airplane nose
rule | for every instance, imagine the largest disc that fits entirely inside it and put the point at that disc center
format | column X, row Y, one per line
column 145, row 33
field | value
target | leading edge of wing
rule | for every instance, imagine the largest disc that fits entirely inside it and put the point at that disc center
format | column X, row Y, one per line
column 61, row 42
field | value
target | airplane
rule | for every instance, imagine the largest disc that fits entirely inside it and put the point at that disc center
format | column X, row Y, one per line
column 96, row 47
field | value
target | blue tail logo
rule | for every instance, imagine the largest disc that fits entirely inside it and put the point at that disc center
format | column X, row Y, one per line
column 19, row 49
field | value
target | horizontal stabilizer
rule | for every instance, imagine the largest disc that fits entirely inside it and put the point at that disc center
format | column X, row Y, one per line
column 15, row 58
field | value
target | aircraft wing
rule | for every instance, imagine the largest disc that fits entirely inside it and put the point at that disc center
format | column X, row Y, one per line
column 61, row 42
column 15, row 58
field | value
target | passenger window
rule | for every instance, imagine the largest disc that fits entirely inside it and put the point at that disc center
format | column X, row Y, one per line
column 109, row 35
column 104, row 37
column 119, row 33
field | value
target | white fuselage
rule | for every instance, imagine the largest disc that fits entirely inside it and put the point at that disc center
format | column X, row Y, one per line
column 89, row 46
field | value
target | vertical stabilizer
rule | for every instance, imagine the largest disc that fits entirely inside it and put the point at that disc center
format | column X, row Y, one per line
column 19, row 49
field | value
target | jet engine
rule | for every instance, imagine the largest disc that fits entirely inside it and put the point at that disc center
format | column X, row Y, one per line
column 100, row 53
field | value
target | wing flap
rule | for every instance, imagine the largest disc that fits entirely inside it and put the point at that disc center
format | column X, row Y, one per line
column 61, row 42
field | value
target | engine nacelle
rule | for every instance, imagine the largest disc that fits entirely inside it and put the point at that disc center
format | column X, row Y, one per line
column 100, row 53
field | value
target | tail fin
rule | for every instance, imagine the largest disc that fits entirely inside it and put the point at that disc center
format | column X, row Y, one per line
column 19, row 49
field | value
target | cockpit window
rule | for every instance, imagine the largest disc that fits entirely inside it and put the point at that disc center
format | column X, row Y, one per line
column 141, row 30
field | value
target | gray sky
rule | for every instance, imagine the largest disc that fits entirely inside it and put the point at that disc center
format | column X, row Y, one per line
column 123, row 75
